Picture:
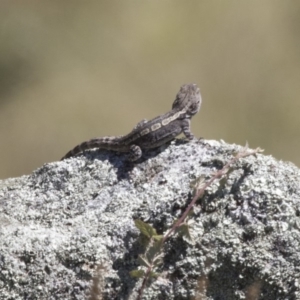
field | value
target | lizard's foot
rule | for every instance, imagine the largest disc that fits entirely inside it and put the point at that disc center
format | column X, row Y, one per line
column 135, row 153
column 190, row 137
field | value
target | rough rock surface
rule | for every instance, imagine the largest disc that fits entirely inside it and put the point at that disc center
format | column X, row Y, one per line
column 67, row 230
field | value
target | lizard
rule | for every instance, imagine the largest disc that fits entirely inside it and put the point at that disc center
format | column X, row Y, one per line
column 152, row 133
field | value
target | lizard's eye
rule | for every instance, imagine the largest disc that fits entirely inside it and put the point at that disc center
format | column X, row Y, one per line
column 195, row 105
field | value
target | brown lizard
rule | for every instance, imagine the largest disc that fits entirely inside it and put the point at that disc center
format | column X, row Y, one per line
column 153, row 133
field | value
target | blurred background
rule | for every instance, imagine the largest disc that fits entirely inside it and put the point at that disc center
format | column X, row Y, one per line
column 73, row 70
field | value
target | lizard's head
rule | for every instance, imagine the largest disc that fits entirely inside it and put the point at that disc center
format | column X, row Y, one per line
column 188, row 98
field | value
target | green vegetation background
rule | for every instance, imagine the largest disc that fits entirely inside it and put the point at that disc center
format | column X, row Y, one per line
column 73, row 70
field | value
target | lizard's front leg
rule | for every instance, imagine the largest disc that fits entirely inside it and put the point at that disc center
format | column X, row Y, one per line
column 135, row 153
column 186, row 129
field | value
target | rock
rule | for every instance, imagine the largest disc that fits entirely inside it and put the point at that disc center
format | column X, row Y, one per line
column 68, row 232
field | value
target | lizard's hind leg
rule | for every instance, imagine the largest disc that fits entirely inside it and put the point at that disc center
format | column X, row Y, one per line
column 135, row 153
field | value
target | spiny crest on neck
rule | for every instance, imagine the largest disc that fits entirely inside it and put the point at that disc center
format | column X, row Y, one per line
column 188, row 99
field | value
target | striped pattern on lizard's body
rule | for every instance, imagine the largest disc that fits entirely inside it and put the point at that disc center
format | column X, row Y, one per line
column 153, row 133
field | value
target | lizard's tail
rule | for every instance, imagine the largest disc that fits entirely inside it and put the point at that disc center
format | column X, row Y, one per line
column 101, row 143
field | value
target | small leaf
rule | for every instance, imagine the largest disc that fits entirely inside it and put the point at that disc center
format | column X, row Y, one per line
column 259, row 150
column 157, row 260
column 145, row 228
column 153, row 274
column 189, row 239
column 158, row 237
column 144, row 240
column 197, row 183
column 184, row 231
column 143, row 261
column 137, row 273
column 154, row 250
